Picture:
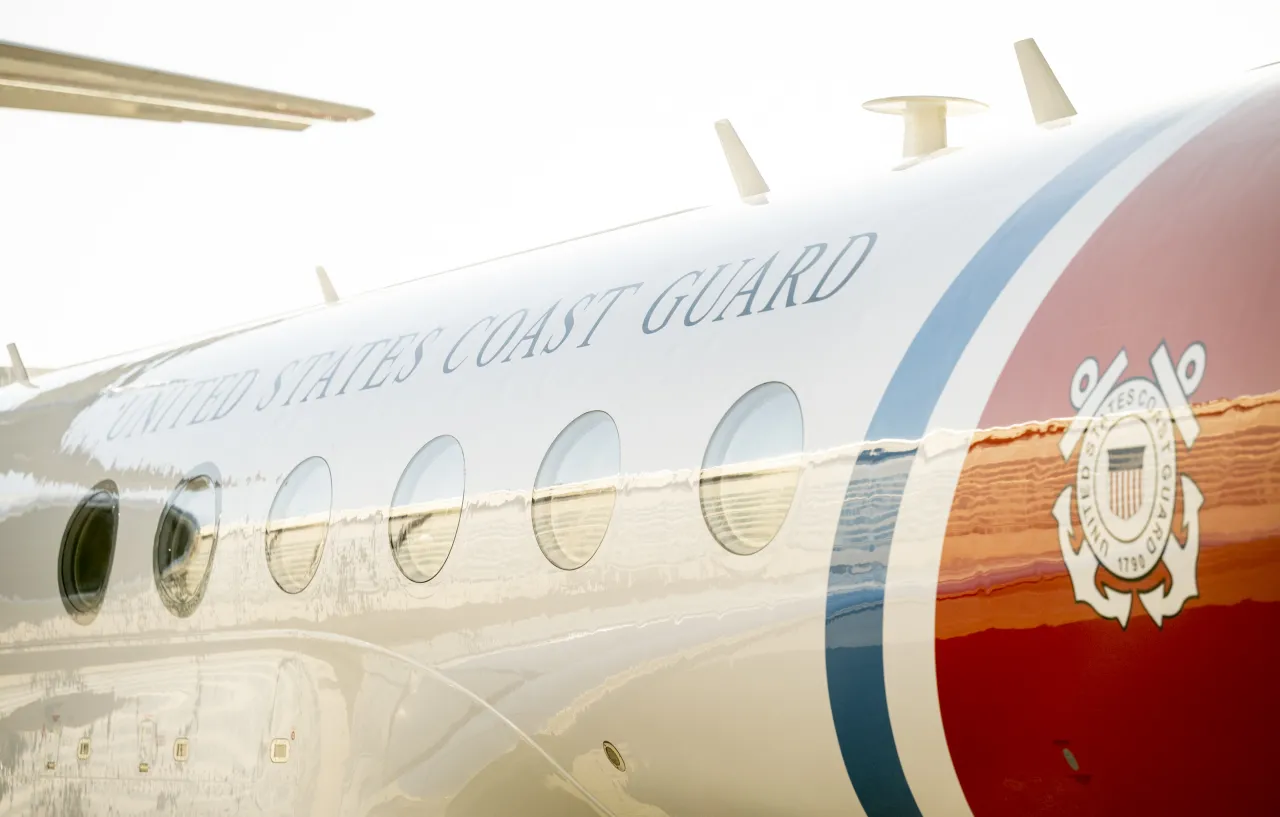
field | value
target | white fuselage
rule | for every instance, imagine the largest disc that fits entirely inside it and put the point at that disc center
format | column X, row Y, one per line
column 490, row 688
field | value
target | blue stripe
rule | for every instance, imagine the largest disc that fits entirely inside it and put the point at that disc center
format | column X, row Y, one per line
column 860, row 557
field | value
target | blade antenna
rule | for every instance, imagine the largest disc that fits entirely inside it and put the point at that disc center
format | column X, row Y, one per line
column 326, row 286
column 751, row 185
column 1049, row 103
column 19, row 368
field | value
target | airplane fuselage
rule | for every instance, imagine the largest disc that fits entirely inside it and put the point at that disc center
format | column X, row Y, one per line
column 954, row 492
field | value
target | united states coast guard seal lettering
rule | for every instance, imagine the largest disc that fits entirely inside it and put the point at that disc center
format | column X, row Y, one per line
column 1127, row 486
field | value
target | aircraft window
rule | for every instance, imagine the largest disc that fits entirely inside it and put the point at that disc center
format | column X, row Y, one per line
column 88, row 548
column 298, row 524
column 752, row 467
column 185, row 541
column 574, row 493
column 426, row 509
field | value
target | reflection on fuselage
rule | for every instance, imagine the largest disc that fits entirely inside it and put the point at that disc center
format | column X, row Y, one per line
column 447, row 671
column 444, row 677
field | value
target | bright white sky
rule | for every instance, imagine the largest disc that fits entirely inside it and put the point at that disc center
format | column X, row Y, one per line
column 498, row 126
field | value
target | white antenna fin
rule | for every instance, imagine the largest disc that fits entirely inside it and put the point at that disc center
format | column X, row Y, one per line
column 326, row 286
column 19, row 368
column 924, row 119
column 751, row 185
column 1049, row 103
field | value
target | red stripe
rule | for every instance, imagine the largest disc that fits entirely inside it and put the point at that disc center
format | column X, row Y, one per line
column 1177, row 720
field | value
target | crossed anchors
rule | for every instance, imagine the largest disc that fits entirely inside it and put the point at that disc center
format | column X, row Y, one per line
column 1126, row 509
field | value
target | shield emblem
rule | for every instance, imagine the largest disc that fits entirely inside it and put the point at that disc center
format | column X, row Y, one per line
column 1125, row 469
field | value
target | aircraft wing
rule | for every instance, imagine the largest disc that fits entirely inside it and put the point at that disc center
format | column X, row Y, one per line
column 36, row 79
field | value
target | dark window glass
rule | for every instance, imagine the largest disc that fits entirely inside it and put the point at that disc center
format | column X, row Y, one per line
column 88, row 547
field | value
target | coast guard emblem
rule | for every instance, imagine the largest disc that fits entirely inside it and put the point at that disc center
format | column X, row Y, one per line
column 1127, row 486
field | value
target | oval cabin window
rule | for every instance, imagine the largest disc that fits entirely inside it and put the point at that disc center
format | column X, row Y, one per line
column 426, row 509
column 88, row 549
column 185, row 542
column 573, row 496
column 298, row 525
column 752, row 467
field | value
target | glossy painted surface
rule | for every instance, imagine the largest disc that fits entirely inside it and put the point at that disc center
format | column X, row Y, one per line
column 1183, row 704
column 909, row 641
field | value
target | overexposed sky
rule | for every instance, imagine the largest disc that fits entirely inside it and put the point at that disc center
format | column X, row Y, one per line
column 498, row 126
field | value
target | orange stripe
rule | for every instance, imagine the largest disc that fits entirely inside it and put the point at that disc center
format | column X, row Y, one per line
column 1001, row 566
